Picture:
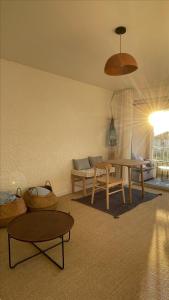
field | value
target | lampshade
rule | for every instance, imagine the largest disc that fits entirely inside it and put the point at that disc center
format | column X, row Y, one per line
column 120, row 63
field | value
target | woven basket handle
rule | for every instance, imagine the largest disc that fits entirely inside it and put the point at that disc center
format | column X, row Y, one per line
column 34, row 188
column 47, row 182
column 48, row 185
column 18, row 192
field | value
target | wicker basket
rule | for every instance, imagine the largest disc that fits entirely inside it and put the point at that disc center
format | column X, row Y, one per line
column 11, row 210
column 36, row 202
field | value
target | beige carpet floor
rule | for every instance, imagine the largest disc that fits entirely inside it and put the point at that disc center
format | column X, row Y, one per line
column 107, row 258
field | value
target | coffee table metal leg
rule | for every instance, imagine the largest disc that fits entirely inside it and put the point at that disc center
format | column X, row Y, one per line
column 63, row 257
column 19, row 262
column 51, row 259
column 9, row 251
column 68, row 239
column 40, row 252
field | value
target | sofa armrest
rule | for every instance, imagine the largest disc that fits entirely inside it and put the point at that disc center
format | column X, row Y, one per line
column 149, row 163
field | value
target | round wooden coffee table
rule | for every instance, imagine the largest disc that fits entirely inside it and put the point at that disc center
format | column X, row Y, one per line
column 40, row 226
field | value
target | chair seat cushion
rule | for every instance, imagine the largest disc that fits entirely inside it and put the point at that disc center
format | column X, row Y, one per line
column 112, row 181
column 90, row 172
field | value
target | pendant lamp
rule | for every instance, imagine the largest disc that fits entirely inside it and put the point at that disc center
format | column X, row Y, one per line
column 120, row 63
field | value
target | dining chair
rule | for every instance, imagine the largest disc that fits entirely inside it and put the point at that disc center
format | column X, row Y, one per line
column 106, row 182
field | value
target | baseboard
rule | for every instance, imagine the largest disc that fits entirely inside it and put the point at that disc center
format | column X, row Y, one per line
column 63, row 192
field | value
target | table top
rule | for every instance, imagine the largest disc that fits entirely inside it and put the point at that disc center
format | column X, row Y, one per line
column 126, row 162
column 40, row 226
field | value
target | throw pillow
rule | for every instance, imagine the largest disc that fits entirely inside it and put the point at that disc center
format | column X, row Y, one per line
column 94, row 160
column 81, row 164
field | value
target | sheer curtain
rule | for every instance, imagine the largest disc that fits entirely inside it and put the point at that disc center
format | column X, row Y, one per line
column 134, row 133
column 122, row 107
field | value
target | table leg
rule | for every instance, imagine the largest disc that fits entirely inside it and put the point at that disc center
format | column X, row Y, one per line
column 142, row 181
column 9, row 251
column 41, row 251
column 162, row 175
column 121, row 171
column 51, row 259
column 84, row 186
column 63, row 257
column 68, row 239
column 12, row 266
column 73, row 183
column 129, row 183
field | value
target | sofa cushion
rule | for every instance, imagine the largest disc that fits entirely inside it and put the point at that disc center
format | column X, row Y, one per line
column 81, row 164
column 94, row 160
column 147, row 174
column 89, row 173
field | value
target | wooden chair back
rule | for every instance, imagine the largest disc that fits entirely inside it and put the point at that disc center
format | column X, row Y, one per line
column 102, row 166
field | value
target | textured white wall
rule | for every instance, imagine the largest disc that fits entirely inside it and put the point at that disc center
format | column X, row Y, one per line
column 46, row 120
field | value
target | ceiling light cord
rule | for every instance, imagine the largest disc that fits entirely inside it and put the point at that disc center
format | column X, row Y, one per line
column 120, row 43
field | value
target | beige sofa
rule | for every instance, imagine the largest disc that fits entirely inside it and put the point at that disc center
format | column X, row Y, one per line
column 148, row 172
column 83, row 172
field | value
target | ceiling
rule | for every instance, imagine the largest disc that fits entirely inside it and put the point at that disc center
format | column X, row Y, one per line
column 75, row 38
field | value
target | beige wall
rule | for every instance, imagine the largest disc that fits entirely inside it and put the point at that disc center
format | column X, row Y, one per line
column 46, row 120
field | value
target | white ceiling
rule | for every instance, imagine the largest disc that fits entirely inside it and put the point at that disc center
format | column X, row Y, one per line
column 75, row 38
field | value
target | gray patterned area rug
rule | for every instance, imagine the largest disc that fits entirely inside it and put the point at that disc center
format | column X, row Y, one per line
column 117, row 208
column 158, row 183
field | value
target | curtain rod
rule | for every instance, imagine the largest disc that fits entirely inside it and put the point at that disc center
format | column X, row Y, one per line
column 146, row 100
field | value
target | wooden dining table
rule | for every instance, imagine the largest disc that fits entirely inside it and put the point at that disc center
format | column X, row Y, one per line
column 129, row 163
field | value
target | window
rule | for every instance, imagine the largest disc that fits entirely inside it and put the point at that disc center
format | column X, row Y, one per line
column 160, row 122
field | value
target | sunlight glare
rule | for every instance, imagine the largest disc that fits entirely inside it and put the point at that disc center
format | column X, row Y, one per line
column 160, row 121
